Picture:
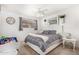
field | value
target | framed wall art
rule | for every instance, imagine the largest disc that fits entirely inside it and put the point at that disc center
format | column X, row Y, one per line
column 52, row 21
column 27, row 23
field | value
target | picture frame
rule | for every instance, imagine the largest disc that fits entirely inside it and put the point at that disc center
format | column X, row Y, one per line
column 52, row 21
column 28, row 23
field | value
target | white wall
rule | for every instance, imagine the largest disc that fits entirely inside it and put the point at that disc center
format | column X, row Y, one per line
column 71, row 25
column 71, row 22
column 13, row 30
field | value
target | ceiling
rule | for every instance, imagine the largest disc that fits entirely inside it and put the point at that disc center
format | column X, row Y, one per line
column 35, row 9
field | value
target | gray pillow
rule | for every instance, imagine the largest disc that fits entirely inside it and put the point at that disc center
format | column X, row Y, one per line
column 52, row 32
column 49, row 32
column 45, row 32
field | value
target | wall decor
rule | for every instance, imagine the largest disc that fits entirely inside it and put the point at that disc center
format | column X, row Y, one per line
column 10, row 20
column 62, row 17
column 61, row 21
column 52, row 21
column 20, row 24
column 27, row 23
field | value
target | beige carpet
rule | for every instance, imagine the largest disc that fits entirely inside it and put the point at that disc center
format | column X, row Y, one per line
column 26, row 50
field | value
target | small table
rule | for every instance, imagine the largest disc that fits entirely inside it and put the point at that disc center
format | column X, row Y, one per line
column 73, row 41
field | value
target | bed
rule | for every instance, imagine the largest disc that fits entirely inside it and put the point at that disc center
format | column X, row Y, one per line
column 43, row 42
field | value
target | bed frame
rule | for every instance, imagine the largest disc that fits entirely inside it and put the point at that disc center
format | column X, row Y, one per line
column 51, row 47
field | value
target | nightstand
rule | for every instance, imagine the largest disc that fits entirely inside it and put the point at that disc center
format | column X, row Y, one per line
column 73, row 41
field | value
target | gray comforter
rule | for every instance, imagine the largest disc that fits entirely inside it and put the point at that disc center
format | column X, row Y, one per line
column 40, row 43
column 52, row 37
column 36, row 41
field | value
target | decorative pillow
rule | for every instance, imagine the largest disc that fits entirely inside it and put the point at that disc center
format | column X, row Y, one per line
column 14, row 39
column 8, row 39
column 45, row 32
column 2, row 41
column 51, row 31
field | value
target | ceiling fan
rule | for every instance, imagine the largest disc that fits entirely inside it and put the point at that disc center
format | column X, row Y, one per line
column 41, row 12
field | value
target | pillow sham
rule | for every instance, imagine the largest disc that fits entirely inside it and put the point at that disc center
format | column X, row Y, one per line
column 52, row 31
column 45, row 32
column 49, row 32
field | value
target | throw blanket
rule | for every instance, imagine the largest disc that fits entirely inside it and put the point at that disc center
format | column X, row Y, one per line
column 37, row 40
